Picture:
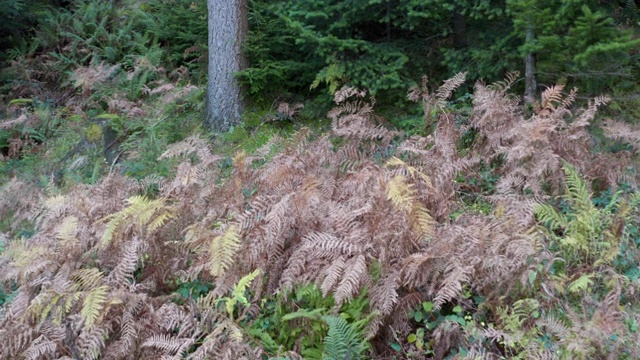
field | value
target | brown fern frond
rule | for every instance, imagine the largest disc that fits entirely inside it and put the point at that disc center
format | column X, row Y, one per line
column 504, row 85
column 456, row 276
column 449, row 86
column 126, row 343
column 169, row 344
column 384, row 295
column 90, row 342
column 551, row 97
column 346, row 92
column 355, row 268
column 192, row 145
column 622, row 131
column 40, row 348
column 332, row 274
column 127, row 264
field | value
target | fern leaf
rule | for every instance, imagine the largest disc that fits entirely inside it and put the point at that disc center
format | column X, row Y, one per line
column 457, row 275
column 334, row 271
column 222, row 251
column 349, row 285
column 240, row 289
column 170, row 344
column 413, row 171
column 583, row 283
column 551, row 217
column 66, row 231
column 577, row 193
column 304, row 313
column 449, row 86
column 342, row 341
column 40, row 349
column 551, row 95
column 400, row 193
column 93, row 304
column 127, row 264
column 239, row 292
column 87, row 279
column 423, row 223
column 140, row 211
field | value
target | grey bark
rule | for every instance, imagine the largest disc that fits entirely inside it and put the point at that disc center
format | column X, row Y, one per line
column 530, row 71
column 228, row 28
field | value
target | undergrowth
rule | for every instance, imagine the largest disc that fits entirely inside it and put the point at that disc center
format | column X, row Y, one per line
column 362, row 242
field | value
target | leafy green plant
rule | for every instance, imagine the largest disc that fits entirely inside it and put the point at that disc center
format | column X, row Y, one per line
column 586, row 235
column 181, row 31
column 300, row 320
column 343, row 341
column 192, row 289
column 239, row 294
column 428, row 319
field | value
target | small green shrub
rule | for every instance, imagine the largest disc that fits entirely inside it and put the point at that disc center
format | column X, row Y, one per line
column 302, row 321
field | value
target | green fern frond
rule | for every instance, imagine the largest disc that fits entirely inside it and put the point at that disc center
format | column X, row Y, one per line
column 93, row 305
column 583, row 283
column 239, row 292
column 577, row 193
column 240, row 289
column 342, row 341
column 305, row 313
column 222, row 250
column 266, row 340
column 549, row 216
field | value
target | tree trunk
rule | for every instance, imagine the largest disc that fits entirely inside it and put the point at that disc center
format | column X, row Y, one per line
column 459, row 30
column 530, row 71
column 228, row 27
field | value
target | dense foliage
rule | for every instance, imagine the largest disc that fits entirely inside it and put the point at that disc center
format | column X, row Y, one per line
column 386, row 45
column 466, row 224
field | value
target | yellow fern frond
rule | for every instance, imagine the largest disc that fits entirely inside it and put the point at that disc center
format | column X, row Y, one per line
column 93, row 304
column 41, row 306
column 146, row 214
column 414, row 172
column 55, row 202
column 400, row 193
column 70, row 301
column 86, row 279
column 222, row 251
column 422, row 222
column 24, row 256
column 66, row 231
column 159, row 221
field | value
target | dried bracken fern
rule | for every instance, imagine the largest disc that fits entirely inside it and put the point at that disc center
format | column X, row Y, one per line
column 94, row 279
